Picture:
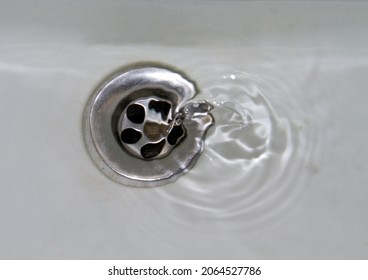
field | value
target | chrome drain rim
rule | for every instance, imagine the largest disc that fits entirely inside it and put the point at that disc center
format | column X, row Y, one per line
column 104, row 122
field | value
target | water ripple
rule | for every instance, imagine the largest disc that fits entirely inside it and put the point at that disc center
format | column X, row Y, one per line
column 254, row 162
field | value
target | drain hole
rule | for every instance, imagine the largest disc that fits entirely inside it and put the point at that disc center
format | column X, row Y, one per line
column 160, row 107
column 135, row 113
column 130, row 136
column 152, row 150
column 174, row 135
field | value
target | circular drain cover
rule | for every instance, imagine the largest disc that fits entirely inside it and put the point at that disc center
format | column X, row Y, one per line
column 142, row 128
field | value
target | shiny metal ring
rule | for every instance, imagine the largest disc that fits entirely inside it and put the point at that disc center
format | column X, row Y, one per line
column 104, row 120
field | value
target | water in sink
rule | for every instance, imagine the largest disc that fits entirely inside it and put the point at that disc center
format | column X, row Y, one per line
column 282, row 174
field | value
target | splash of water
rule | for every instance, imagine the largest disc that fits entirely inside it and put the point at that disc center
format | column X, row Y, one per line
column 254, row 162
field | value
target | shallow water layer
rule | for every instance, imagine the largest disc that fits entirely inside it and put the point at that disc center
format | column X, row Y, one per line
column 282, row 174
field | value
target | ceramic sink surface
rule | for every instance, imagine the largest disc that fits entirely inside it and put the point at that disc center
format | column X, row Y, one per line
column 284, row 170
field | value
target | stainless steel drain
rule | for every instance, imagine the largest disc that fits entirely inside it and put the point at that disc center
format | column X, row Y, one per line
column 142, row 129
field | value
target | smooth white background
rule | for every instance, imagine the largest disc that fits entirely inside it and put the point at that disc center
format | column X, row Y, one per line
column 99, row 269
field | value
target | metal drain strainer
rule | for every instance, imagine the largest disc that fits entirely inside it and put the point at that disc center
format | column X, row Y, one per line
column 142, row 129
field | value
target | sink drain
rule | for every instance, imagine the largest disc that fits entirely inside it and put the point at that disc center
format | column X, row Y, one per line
column 148, row 130
column 142, row 128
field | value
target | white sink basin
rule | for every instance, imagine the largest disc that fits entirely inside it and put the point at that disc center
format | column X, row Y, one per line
column 283, row 174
